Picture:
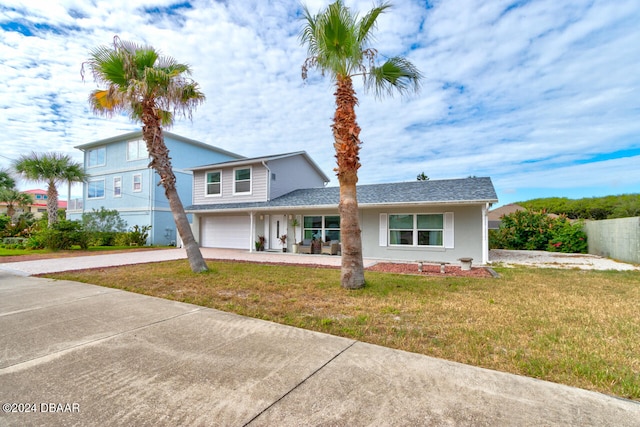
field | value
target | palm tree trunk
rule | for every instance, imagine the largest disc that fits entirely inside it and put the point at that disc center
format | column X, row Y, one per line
column 52, row 203
column 347, row 145
column 161, row 163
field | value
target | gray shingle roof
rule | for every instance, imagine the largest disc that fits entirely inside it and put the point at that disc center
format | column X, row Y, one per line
column 468, row 190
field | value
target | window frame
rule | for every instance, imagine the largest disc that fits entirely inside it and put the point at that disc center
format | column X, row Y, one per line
column 207, row 183
column 414, row 230
column 96, row 150
column 139, row 143
column 322, row 229
column 133, row 183
column 117, row 188
column 94, row 181
column 236, row 181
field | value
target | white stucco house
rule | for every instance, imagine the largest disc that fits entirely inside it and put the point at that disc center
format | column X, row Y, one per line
column 236, row 201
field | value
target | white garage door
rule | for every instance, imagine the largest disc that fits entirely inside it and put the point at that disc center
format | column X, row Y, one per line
column 225, row 232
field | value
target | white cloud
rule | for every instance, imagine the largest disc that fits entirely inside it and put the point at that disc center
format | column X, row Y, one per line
column 534, row 94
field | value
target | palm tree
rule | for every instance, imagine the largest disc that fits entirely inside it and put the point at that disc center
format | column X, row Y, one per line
column 338, row 44
column 13, row 198
column 6, row 180
column 151, row 88
column 53, row 168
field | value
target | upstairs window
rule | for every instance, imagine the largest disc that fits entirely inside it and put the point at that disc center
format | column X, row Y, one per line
column 137, row 150
column 213, row 184
column 117, row 186
column 137, row 183
column 242, row 181
column 96, row 157
column 95, row 189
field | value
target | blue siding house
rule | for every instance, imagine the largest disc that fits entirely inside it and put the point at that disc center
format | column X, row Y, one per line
column 120, row 179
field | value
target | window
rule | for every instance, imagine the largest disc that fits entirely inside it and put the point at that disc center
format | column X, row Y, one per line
column 96, row 157
column 137, row 183
column 416, row 230
column 213, row 184
column 95, row 189
column 117, row 186
column 242, row 181
column 137, row 150
column 325, row 228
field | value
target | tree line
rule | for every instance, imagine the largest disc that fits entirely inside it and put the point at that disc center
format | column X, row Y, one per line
column 590, row 208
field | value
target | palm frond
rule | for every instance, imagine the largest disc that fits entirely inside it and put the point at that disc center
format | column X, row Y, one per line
column 396, row 75
column 368, row 23
column 136, row 75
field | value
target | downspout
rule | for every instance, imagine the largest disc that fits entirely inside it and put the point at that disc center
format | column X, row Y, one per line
column 268, row 180
column 485, row 234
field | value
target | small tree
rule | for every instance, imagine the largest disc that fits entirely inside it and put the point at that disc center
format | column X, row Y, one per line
column 53, row 168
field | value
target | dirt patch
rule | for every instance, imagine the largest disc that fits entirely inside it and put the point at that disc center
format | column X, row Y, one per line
column 429, row 270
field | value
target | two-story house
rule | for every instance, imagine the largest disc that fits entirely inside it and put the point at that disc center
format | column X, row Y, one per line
column 120, row 179
column 236, row 202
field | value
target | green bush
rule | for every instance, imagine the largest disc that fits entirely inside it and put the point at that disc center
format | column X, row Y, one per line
column 526, row 230
column 63, row 235
column 136, row 236
column 568, row 237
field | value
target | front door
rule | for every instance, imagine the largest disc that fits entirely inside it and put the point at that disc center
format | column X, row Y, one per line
column 277, row 228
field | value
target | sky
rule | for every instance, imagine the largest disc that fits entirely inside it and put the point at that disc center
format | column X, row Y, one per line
column 543, row 96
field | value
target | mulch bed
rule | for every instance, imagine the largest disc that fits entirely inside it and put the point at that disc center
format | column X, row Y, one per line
column 430, row 270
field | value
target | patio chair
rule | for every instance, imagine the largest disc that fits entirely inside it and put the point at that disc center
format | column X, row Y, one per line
column 305, row 247
column 331, row 248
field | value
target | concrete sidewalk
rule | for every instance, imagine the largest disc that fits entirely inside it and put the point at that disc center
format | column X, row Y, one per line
column 109, row 357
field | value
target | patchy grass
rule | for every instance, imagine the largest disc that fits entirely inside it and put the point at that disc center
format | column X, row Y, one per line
column 580, row 328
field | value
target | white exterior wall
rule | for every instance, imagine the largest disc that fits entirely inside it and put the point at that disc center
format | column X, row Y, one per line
column 258, row 186
column 467, row 232
column 467, row 235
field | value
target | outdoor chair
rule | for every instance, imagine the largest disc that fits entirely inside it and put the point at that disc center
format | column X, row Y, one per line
column 331, row 248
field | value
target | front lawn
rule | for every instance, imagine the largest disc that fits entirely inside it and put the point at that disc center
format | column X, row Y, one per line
column 580, row 328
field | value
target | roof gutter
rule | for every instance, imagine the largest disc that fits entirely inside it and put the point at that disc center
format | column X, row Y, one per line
column 335, row 206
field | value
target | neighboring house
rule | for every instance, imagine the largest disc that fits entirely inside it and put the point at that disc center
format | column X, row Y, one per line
column 39, row 205
column 437, row 220
column 495, row 215
column 120, row 179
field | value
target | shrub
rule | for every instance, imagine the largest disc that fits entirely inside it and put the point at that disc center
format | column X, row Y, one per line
column 136, row 236
column 568, row 237
column 525, row 230
column 63, row 235
column 103, row 220
column 538, row 231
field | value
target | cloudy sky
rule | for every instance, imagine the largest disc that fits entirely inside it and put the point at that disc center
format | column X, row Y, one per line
column 543, row 96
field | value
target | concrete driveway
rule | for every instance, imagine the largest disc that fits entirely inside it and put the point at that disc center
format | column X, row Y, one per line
column 78, row 354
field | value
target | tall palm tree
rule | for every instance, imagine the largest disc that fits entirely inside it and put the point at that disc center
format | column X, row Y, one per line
column 151, row 88
column 13, row 197
column 338, row 45
column 53, row 168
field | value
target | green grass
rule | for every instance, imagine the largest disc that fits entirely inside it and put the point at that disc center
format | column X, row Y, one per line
column 580, row 328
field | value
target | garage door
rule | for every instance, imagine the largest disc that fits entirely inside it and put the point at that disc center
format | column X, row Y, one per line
column 225, row 232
